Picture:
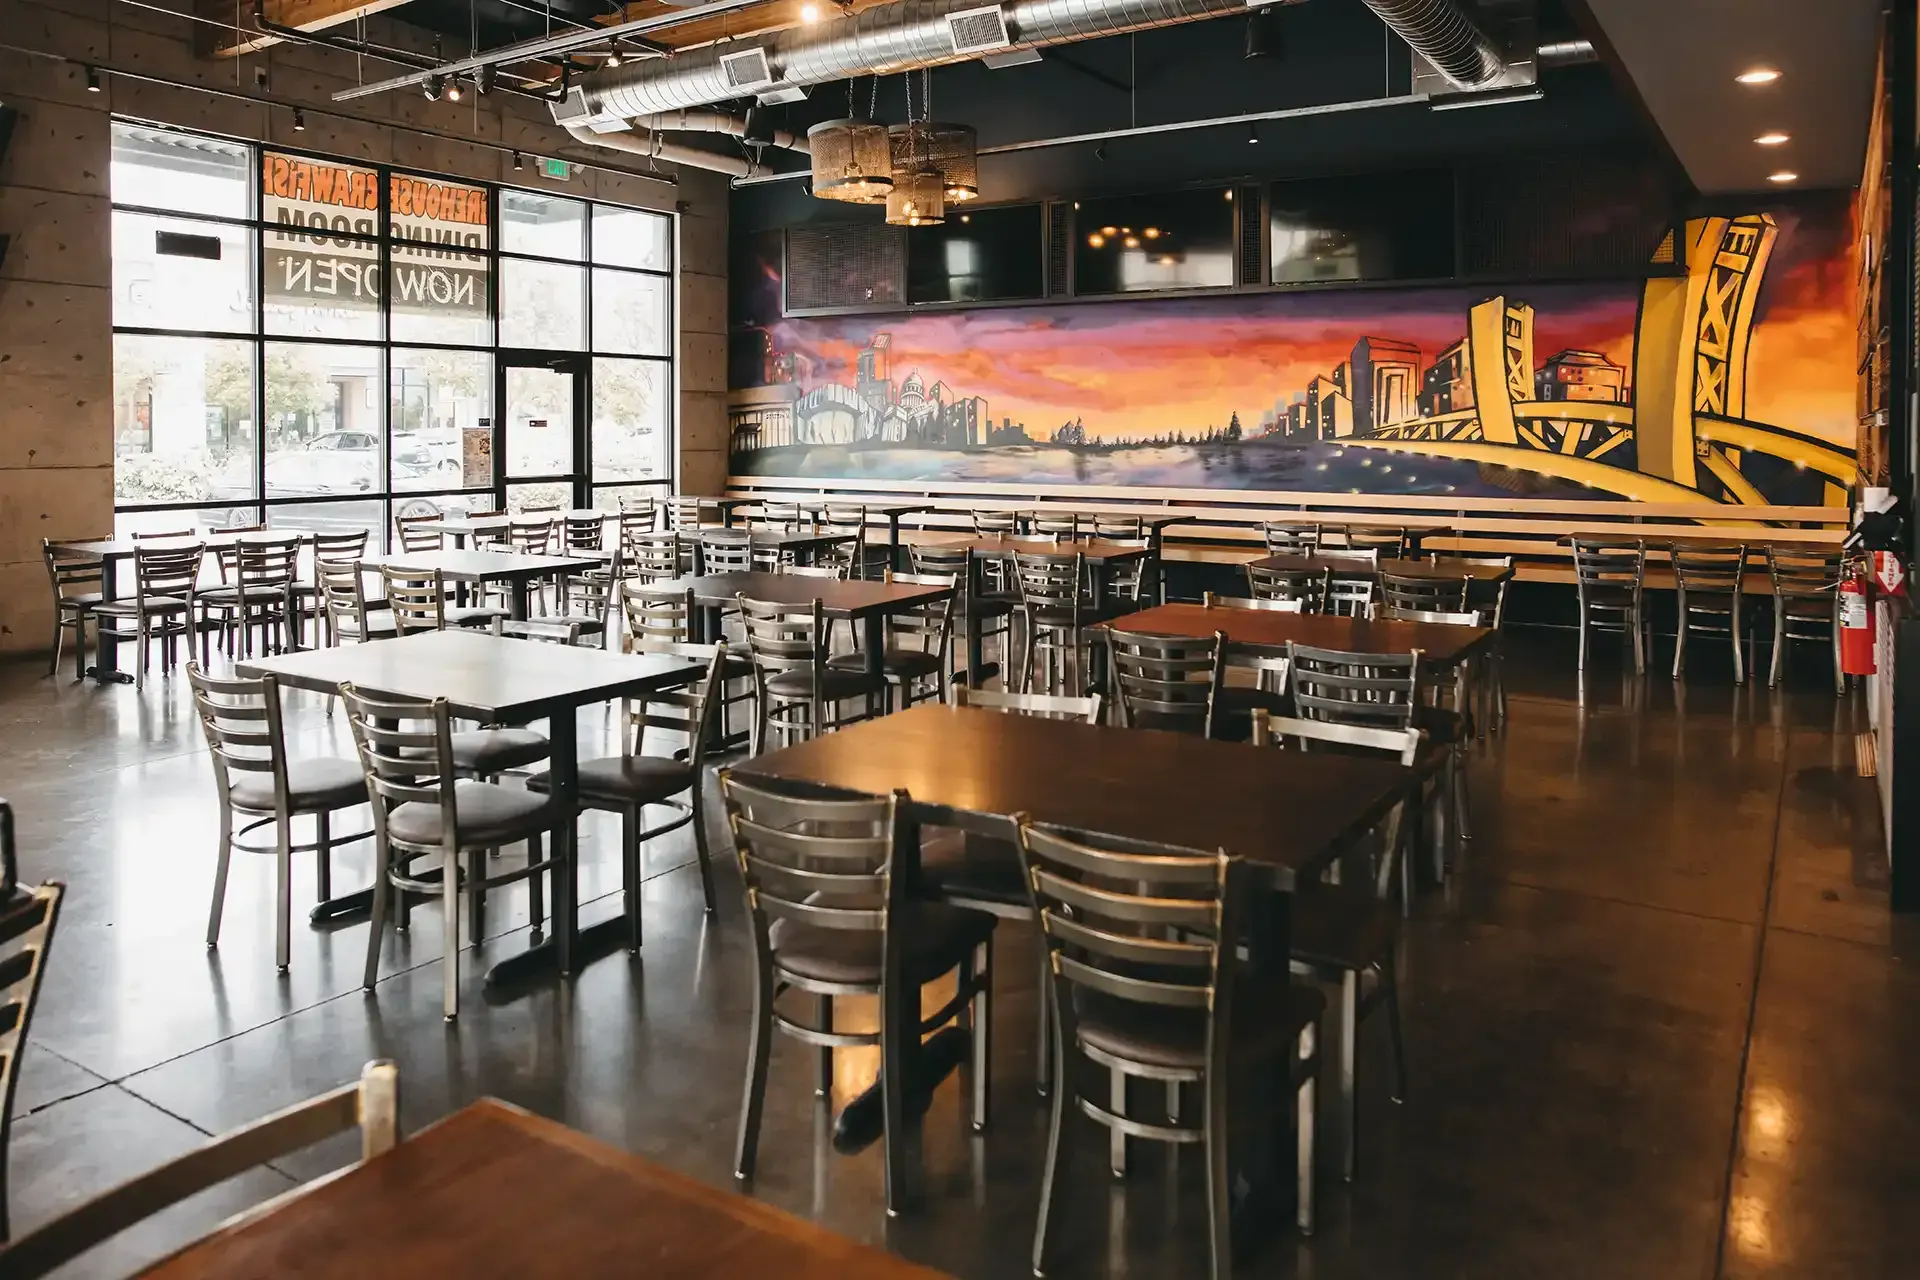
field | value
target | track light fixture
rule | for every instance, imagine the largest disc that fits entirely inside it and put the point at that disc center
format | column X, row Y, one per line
column 453, row 89
column 433, row 87
column 519, row 162
column 299, row 120
column 486, row 78
column 93, row 79
column 613, row 54
column 759, row 127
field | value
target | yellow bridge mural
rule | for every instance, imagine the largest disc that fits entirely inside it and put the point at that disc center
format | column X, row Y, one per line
column 1687, row 417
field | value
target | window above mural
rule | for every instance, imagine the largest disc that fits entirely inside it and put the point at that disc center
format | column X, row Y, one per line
column 1141, row 244
column 981, row 255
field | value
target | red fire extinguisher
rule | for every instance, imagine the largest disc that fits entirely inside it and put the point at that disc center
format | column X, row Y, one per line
column 1856, row 623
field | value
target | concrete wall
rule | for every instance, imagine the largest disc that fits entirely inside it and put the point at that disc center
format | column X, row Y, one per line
column 56, row 384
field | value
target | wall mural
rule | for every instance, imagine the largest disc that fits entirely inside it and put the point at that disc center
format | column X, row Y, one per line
column 1733, row 383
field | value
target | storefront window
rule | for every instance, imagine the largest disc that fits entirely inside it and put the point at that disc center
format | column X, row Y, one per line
column 309, row 342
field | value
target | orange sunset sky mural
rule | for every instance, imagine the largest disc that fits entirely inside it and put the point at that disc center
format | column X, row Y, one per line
column 1127, row 392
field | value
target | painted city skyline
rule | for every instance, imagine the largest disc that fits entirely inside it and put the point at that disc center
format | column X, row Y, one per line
column 1733, row 382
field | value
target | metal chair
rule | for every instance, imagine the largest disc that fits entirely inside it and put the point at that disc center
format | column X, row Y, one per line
column 343, row 597
column 254, row 779
column 651, row 557
column 1212, row 601
column 996, row 524
column 27, row 918
column 1438, row 595
column 1308, row 586
column 371, row 1105
column 1142, row 944
column 1347, row 594
column 628, row 783
column 1290, row 539
column 725, row 551
column 1166, row 682
column 1385, row 541
column 582, row 533
column 919, row 647
column 259, row 596
column 417, row 598
column 422, row 808
column 413, row 537
column 1054, row 608
column 1610, row 578
column 1060, row 526
column 990, row 611
column 1133, row 582
column 1490, row 600
column 164, row 603
column 683, row 514
column 1109, row 527
column 830, row 919
column 798, row 694
column 864, row 560
column 585, row 608
column 1350, row 932
column 1708, row 584
column 1806, row 606
column 78, row 588
column 1441, row 617
column 660, row 620
column 643, row 511
column 328, row 548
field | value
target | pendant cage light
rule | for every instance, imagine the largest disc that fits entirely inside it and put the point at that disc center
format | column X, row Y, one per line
column 851, row 161
column 951, row 149
column 918, row 199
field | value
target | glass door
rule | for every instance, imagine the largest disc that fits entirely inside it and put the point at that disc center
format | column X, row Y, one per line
column 542, row 419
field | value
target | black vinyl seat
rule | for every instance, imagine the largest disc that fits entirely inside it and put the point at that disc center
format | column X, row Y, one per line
column 939, row 939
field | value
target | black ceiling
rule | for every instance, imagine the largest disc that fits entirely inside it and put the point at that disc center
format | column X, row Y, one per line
column 500, row 22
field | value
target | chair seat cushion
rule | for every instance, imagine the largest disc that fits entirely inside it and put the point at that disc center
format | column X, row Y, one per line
column 960, row 865
column 938, row 938
column 988, row 607
column 130, row 606
column 379, row 623
column 1342, row 927
column 496, row 750
column 836, row 683
column 1268, row 1016
column 554, row 627
column 313, row 786
column 1443, row 727
column 81, row 600
column 625, row 780
column 904, row 664
column 484, row 814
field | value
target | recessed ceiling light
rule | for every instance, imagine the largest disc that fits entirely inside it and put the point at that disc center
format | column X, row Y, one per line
column 1785, row 175
column 1758, row 75
column 1774, row 139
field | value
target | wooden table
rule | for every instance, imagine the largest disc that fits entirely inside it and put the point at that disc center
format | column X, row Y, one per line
column 496, row 680
column 493, row 1191
column 1443, row 571
column 111, row 552
column 1267, row 632
column 854, row 599
column 460, row 528
column 1287, row 814
column 514, row 568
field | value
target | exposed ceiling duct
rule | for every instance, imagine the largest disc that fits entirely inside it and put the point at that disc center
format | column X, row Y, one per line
column 643, row 140
column 1442, row 33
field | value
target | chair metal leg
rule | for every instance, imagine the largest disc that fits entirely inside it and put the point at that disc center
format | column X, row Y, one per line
column 981, row 1020
column 220, row 876
column 700, row 849
column 630, row 874
column 1390, row 996
column 1116, row 1140
column 450, row 923
column 283, row 892
column 1306, row 1098
column 1680, row 641
column 536, row 890
column 377, row 927
column 759, row 1050
column 1051, row 1172
column 1779, row 644
column 823, row 1019
column 1582, row 664
column 1349, row 1037
column 1043, row 1046
column 1219, row 1184
column 59, row 639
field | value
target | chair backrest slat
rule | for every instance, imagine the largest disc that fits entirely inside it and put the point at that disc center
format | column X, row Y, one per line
column 827, row 863
column 1309, row 586
column 1167, row 682
column 417, row 597
column 413, row 538
column 1355, row 688
column 1046, row 706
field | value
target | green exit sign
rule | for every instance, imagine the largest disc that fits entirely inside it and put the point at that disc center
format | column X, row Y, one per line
column 556, row 169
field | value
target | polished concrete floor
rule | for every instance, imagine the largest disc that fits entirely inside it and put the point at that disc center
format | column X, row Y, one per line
column 1659, row 1025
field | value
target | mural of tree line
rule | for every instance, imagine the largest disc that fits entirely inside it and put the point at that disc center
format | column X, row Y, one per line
column 1730, row 383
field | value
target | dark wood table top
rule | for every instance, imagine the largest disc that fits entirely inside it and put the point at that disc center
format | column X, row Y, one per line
column 840, row 597
column 107, row 549
column 1267, row 631
column 484, row 566
column 492, row 1191
column 1445, row 569
column 484, row 677
column 1286, row 812
column 886, row 510
column 1096, row 552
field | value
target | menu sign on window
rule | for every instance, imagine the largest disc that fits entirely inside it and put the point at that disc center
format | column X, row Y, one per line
column 321, row 246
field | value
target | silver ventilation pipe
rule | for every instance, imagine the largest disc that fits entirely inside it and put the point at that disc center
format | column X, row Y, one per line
column 882, row 40
column 639, row 142
column 722, row 122
column 1565, row 53
column 1440, row 32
